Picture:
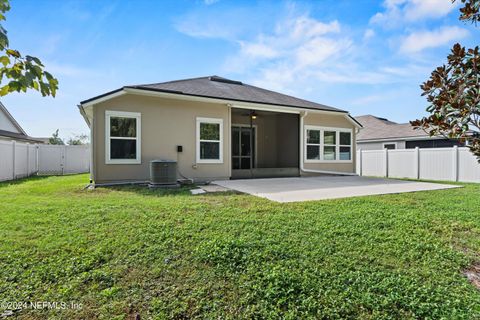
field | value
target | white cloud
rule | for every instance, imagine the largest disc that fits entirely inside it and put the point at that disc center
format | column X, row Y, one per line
column 212, row 23
column 258, row 50
column 399, row 11
column 408, row 71
column 419, row 9
column 319, row 50
column 368, row 34
column 196, row 29
column 297, row 48
column 421, row 40
column 306, row 27
column 302, row 55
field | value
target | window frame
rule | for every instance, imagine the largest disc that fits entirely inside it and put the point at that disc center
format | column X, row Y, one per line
column 123, row 114
column 319, row 144
column 335, row 145
column 322, row 144
column 218, row 121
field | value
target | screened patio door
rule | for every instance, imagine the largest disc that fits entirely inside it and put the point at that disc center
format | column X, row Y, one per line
column 243, row 147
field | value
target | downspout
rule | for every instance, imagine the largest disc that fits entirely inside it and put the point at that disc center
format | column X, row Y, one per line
column 92, row 155
column 302, row 152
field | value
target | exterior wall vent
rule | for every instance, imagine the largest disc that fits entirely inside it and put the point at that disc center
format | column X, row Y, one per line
column 163, row 172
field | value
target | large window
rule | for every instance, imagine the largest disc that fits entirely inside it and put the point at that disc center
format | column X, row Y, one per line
column 122, row 134
column 209, row 140
column 328, row 144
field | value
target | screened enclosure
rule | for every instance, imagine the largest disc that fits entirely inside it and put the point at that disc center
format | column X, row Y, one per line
column 264, row 144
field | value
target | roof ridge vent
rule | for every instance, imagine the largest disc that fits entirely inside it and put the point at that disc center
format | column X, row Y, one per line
column 224, row 80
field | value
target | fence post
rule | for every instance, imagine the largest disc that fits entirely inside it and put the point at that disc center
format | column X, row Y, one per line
column 36, row 158
column 385, row 159
column 28, row 159
column 455, row 163
column 64, row 159
column 416, row 159
column 13, row 157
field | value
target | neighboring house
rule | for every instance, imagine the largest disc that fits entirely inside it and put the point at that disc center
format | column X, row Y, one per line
column 215, row 128
column 11, row 130
column 44, row 140
column 380, row 133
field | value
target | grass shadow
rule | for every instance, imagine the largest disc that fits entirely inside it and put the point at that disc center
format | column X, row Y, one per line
column 20, row 181
column 144, row 190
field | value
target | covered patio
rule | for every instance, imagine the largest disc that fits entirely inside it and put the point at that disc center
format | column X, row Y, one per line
column 264, row 144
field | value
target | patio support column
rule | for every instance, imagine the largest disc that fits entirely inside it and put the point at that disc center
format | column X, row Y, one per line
column 251, row 142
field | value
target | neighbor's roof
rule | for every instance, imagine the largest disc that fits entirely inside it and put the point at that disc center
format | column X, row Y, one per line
column 380, row 128
column 226, row 89
column 19, row 136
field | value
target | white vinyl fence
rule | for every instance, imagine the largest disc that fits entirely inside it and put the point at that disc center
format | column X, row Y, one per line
column 18, row 160
column 447, row 164
column 54, row 159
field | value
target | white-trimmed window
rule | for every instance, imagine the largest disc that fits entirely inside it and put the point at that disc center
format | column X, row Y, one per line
column 122, row 137
column 324, row 144
column 209, row 140
column 313, row 144
column 329, row 145
column 345, row 148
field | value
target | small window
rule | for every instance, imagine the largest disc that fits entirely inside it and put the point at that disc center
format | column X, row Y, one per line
column 313, row 144
column 209, row 140
column 122, row 133
column 390, row 146
column 329, row 142
column 345, row 146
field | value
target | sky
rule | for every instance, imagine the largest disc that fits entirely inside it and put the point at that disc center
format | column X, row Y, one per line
column 364, row 56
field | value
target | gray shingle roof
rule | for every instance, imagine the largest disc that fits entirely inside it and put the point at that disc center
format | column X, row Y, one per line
column 222, row 88
column 380, row 128
column 19, row 136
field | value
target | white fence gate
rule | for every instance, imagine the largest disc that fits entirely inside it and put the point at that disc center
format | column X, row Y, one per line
column 18, row 160
column 54, row 159
column 447, row 164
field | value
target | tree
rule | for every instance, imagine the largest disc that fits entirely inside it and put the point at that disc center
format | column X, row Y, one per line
column 21, row 72
column 453, row 91
column 79, row 139
column 470, row 11
column 55, row 139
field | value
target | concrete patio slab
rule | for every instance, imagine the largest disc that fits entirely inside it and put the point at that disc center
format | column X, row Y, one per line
column 325, row 187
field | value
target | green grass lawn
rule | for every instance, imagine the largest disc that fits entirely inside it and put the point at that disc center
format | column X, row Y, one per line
column 166, row 254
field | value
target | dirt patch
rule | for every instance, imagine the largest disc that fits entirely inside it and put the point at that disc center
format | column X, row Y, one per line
column 473, row 275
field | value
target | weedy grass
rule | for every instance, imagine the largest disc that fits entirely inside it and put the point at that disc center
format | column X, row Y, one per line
column 167, row 254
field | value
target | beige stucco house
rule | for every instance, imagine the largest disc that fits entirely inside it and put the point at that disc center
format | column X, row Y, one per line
column 215, row 128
